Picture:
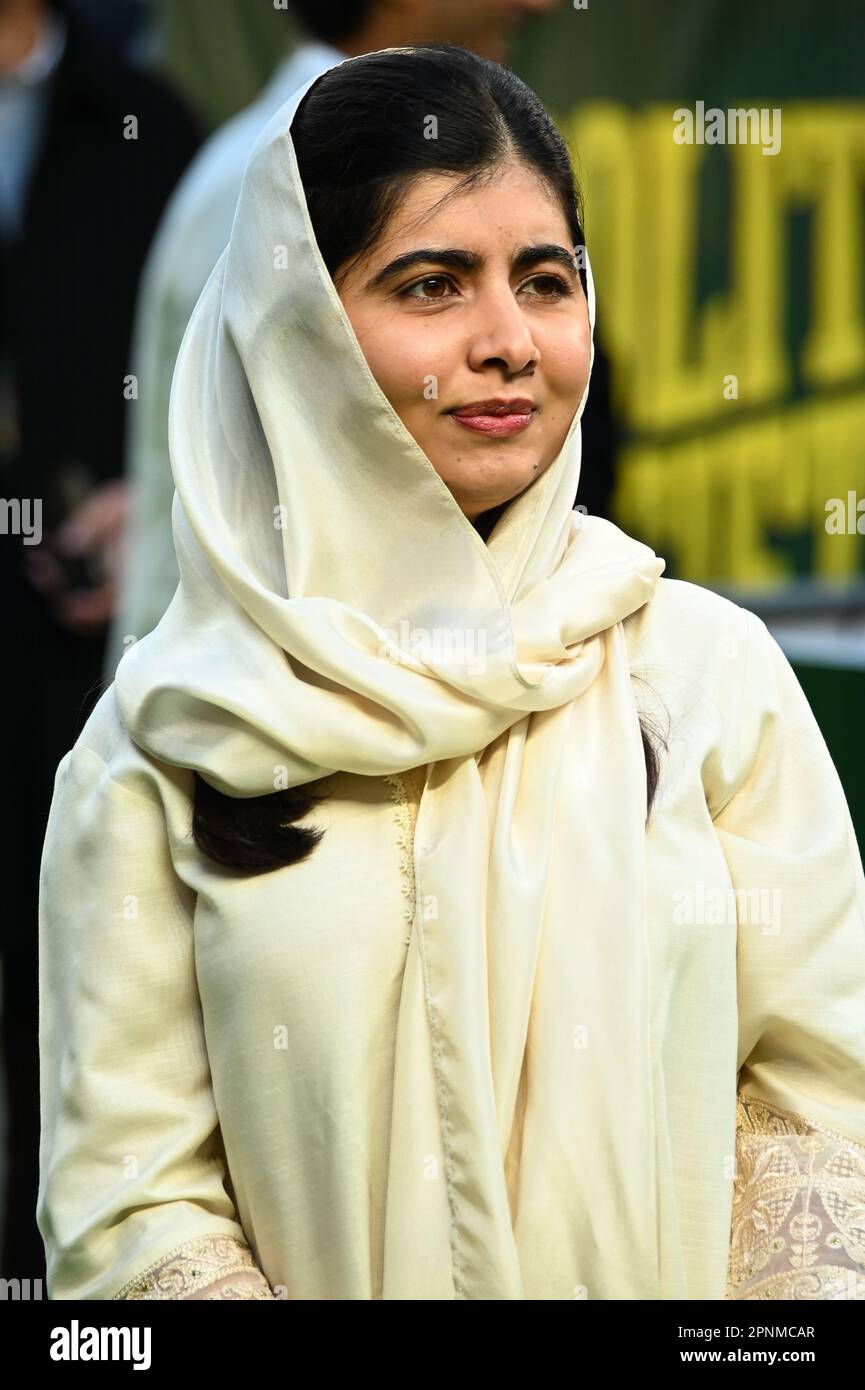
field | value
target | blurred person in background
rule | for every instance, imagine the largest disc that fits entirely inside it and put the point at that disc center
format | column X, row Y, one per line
column 91, row 149
column 129, row 27
column 196, row 229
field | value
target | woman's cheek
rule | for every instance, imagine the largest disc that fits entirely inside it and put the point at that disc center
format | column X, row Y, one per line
column 403, row 369
column 570, row 370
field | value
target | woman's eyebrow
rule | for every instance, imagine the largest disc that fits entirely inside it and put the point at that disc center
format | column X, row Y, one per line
column 470, row 260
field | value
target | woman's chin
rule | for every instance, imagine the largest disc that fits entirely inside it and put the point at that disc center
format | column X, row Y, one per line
column 518, row 478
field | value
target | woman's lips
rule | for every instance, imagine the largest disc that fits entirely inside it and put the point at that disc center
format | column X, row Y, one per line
column 497, row 425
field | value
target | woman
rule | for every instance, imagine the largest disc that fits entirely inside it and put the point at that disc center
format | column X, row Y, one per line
column 440, row 901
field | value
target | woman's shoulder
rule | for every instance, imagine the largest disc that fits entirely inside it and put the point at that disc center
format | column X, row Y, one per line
column 692, row 650
column 686, row 627
column 679, row 607
column 104, row 740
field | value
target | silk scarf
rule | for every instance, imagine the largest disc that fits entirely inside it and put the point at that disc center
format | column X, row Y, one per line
column 336, row 611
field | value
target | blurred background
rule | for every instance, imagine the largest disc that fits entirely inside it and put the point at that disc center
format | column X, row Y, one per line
column 726, row 418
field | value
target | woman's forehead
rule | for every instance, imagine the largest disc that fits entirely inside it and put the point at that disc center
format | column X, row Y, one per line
column 515, row 206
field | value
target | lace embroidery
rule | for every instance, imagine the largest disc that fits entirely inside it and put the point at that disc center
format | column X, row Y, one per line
column 405, row 823
column 798, row 1227
column 195, row 1265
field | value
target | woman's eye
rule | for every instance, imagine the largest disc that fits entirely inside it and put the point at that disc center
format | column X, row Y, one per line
column 428, row 280
column 555, row 283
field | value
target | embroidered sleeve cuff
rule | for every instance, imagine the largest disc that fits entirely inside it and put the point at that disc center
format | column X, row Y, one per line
column 798, row 1228
column 208, row 1267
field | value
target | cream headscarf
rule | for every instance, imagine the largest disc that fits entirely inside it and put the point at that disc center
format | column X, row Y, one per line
column 337, row 611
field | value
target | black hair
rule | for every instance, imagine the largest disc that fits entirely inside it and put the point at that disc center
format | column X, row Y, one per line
column 359, row 140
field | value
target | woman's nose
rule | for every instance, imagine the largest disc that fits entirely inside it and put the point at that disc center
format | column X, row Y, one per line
column 501, row 332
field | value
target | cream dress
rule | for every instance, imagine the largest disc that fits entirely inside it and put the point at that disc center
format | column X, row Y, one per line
column 219, row 1053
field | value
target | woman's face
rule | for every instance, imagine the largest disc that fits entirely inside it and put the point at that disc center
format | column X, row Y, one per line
column 477, row 299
